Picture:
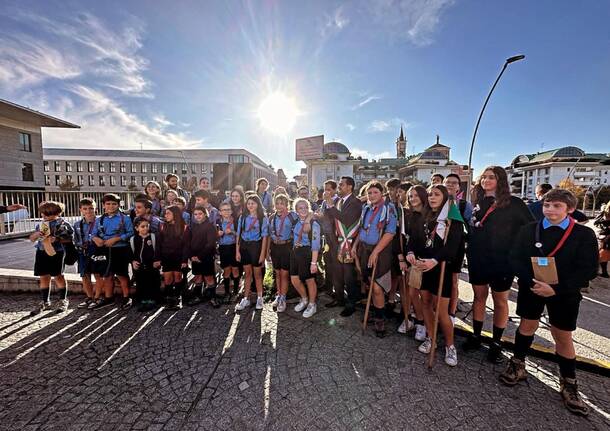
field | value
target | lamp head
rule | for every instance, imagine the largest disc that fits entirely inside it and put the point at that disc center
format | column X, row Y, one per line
column 515, row 58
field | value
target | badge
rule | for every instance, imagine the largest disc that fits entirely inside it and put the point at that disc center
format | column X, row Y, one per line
column 538, row 245
column 428, row 243
column 477, row 224
column 149, row 242
column 543, row 261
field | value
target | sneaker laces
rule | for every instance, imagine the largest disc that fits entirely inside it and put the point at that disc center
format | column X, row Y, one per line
column 451, row 352
column 572, row 391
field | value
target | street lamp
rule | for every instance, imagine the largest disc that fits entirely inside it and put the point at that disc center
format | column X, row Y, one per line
column 474, row 135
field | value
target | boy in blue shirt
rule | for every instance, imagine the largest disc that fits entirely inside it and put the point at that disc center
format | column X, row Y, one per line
column 50, row 237
column 84, row 230
column 114, row 229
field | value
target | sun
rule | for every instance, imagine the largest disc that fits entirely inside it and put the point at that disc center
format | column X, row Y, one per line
column 278, row 113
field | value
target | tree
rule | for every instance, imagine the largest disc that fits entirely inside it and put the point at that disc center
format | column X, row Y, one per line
column 133, row 187
column 68, row 185
column 578, row 191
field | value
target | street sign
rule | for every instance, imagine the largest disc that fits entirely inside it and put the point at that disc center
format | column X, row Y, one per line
column 309, row 148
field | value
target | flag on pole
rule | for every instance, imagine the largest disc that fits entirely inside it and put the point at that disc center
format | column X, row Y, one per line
column 450, row 211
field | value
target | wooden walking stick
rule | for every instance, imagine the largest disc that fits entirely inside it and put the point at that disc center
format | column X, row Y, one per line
column 438, row 302
column 368, row 301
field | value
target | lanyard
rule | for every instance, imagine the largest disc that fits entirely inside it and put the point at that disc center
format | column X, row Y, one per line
column 487, row 214
column 561, row 242
column 429, row 235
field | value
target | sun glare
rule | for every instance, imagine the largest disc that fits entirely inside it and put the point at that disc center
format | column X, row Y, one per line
column 278, row 113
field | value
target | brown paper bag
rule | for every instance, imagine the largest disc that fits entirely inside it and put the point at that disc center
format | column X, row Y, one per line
column 415, row 275
column 545, row 269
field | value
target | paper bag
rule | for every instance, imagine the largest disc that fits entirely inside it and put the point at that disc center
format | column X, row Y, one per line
column 545, row 269
column 415, row 275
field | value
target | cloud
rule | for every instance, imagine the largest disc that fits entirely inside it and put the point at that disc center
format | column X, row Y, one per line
column 350, row 127
column 385, row 125
column 365, row 154
column 81, row 69
column 365, row 101
column 415, row 21
column 334, row 22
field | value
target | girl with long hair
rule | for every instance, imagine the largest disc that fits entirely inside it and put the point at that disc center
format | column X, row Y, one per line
column 153, row 193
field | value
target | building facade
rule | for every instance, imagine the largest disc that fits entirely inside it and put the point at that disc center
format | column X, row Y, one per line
column 21, row 165
column 587, row 170
column 335, row 163
column 107, row 170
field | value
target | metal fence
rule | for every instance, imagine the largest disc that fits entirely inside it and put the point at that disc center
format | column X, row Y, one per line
column 22, row 222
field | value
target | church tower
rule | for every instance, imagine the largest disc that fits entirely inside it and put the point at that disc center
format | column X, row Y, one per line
column 401, row 145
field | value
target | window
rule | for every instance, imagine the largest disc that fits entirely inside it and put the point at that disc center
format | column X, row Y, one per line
column 184, row 181
column 25, row 142
column 57, row 166
column 47, row 180
column 203, row 169
column 123, row 180
column 79, row 166
column 154, row 168
column 91, row 166
column 46, row 166
column 123, row 167
column 27, row 172
column 164, row 168
column 68, row 179
column 68, row 166
column 174, row 169
column 237, row 158
column 194, row 169
column 57, row 180
column 91, row 181
column 102, row 167
column 112, row 181
column 184, row 169
column 134, row 167
column 144, row 181
column 102, row 182
column 80, row 181
column 144, row 168
column 112, row 167
column 133, row 181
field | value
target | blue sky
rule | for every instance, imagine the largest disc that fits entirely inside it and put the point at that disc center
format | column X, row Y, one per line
column 169, row 74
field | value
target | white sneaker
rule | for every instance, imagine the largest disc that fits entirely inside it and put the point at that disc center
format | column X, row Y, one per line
column 420, row 332
column 450, row 356
column 281, row 305
column 301, row 305
column 452, row 320
column 259, row 303
column 405, row 326
column 426, row 346
column 243, row 304
column 311, row 310
column 276, row 301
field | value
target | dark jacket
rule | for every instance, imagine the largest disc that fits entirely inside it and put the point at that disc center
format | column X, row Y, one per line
column 172, row 246
column 143, row 250
column 576, row 261
column 439, row 250
column 200, row 240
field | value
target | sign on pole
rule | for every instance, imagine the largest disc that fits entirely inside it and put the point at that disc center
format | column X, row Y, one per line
column 309, row 148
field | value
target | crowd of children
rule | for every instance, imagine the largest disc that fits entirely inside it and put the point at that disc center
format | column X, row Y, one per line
column 392, row 238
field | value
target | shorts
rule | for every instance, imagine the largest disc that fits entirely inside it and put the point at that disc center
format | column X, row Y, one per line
column 455, row 267
column 563, row 310
column 86, row 265
column 207, row 267
column 49, row 265
column 395, row 268
column 227, row 255
column 250, row 252
column 280, row 256
column 112, row 261
column 300, row 263
column 169, row 264
column 430, row 279
column 497, row 277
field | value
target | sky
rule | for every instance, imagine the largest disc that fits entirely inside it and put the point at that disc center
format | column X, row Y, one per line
column 193, row 74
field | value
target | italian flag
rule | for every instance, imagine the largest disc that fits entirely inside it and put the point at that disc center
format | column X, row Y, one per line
column 450, row 211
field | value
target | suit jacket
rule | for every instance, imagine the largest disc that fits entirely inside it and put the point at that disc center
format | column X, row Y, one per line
column 349, row 213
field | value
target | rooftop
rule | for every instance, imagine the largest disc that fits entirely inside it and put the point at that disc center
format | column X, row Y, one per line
column 17, row 112
column 568, row 153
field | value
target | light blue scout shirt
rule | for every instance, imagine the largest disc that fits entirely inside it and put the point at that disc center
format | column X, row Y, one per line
column 279, row 231
column 372, row 221
column 304, row 238
column 249, row 229
column 563, row 224
column 227, row 238
column 84, row 233
column 114, row 225
column 60, row 229
column 266, row 201
column 213, row 214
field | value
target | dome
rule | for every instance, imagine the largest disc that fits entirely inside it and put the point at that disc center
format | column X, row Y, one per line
column 335, row 148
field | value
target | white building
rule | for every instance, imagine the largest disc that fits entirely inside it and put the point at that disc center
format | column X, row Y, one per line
column 526, row 171
column 336, row 162
column 108, row 170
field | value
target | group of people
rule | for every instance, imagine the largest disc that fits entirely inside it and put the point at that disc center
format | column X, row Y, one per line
column 403, row 243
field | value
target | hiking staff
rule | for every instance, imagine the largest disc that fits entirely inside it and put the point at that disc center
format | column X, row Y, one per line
column 368, row 300
column 438, row 299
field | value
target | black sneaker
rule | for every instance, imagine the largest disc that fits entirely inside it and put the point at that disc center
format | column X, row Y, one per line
column 126, row 303
column 472, row 343
column 379, row 327
column 40, row 307
column 101, row 303
column 347, row 311
column 494, row 354
column 62, row 306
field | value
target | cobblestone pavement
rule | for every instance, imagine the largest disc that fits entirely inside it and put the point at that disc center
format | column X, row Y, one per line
column 201, row 368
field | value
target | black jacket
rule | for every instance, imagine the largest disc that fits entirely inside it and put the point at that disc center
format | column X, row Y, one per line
column 172, row 246
column 200, row 240
column 143, row 250
column 439, row 250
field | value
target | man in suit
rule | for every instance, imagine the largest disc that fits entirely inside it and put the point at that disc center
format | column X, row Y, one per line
column 345, row 213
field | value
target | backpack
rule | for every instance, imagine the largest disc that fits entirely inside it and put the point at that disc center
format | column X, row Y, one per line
column 260, row 223
column 383, row 220
column 132, row 242
column 70, row 252
column 291, row 216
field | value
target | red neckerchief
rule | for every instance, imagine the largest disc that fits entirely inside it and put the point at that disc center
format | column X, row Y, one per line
column 282, row 220
column 229, row 224
column 375, row 211
column 252, row 223
column 491, row 209
column 563, row 239
column 300, row 237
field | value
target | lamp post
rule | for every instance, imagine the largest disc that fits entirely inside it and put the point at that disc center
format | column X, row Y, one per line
column 476, row 128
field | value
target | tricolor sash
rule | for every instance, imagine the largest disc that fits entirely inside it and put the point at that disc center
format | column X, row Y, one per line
column 345, row 237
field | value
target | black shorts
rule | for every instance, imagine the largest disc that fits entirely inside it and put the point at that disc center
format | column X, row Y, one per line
column 280, row 256
column 207, row 267
column 171, row 265
column 300, row 263
column 112, row 261
column 430, row 281
column 499, row 277
column 49, row 265
column 227, row 255
column 250, row 252
column 86, row 265
column 563, row 310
